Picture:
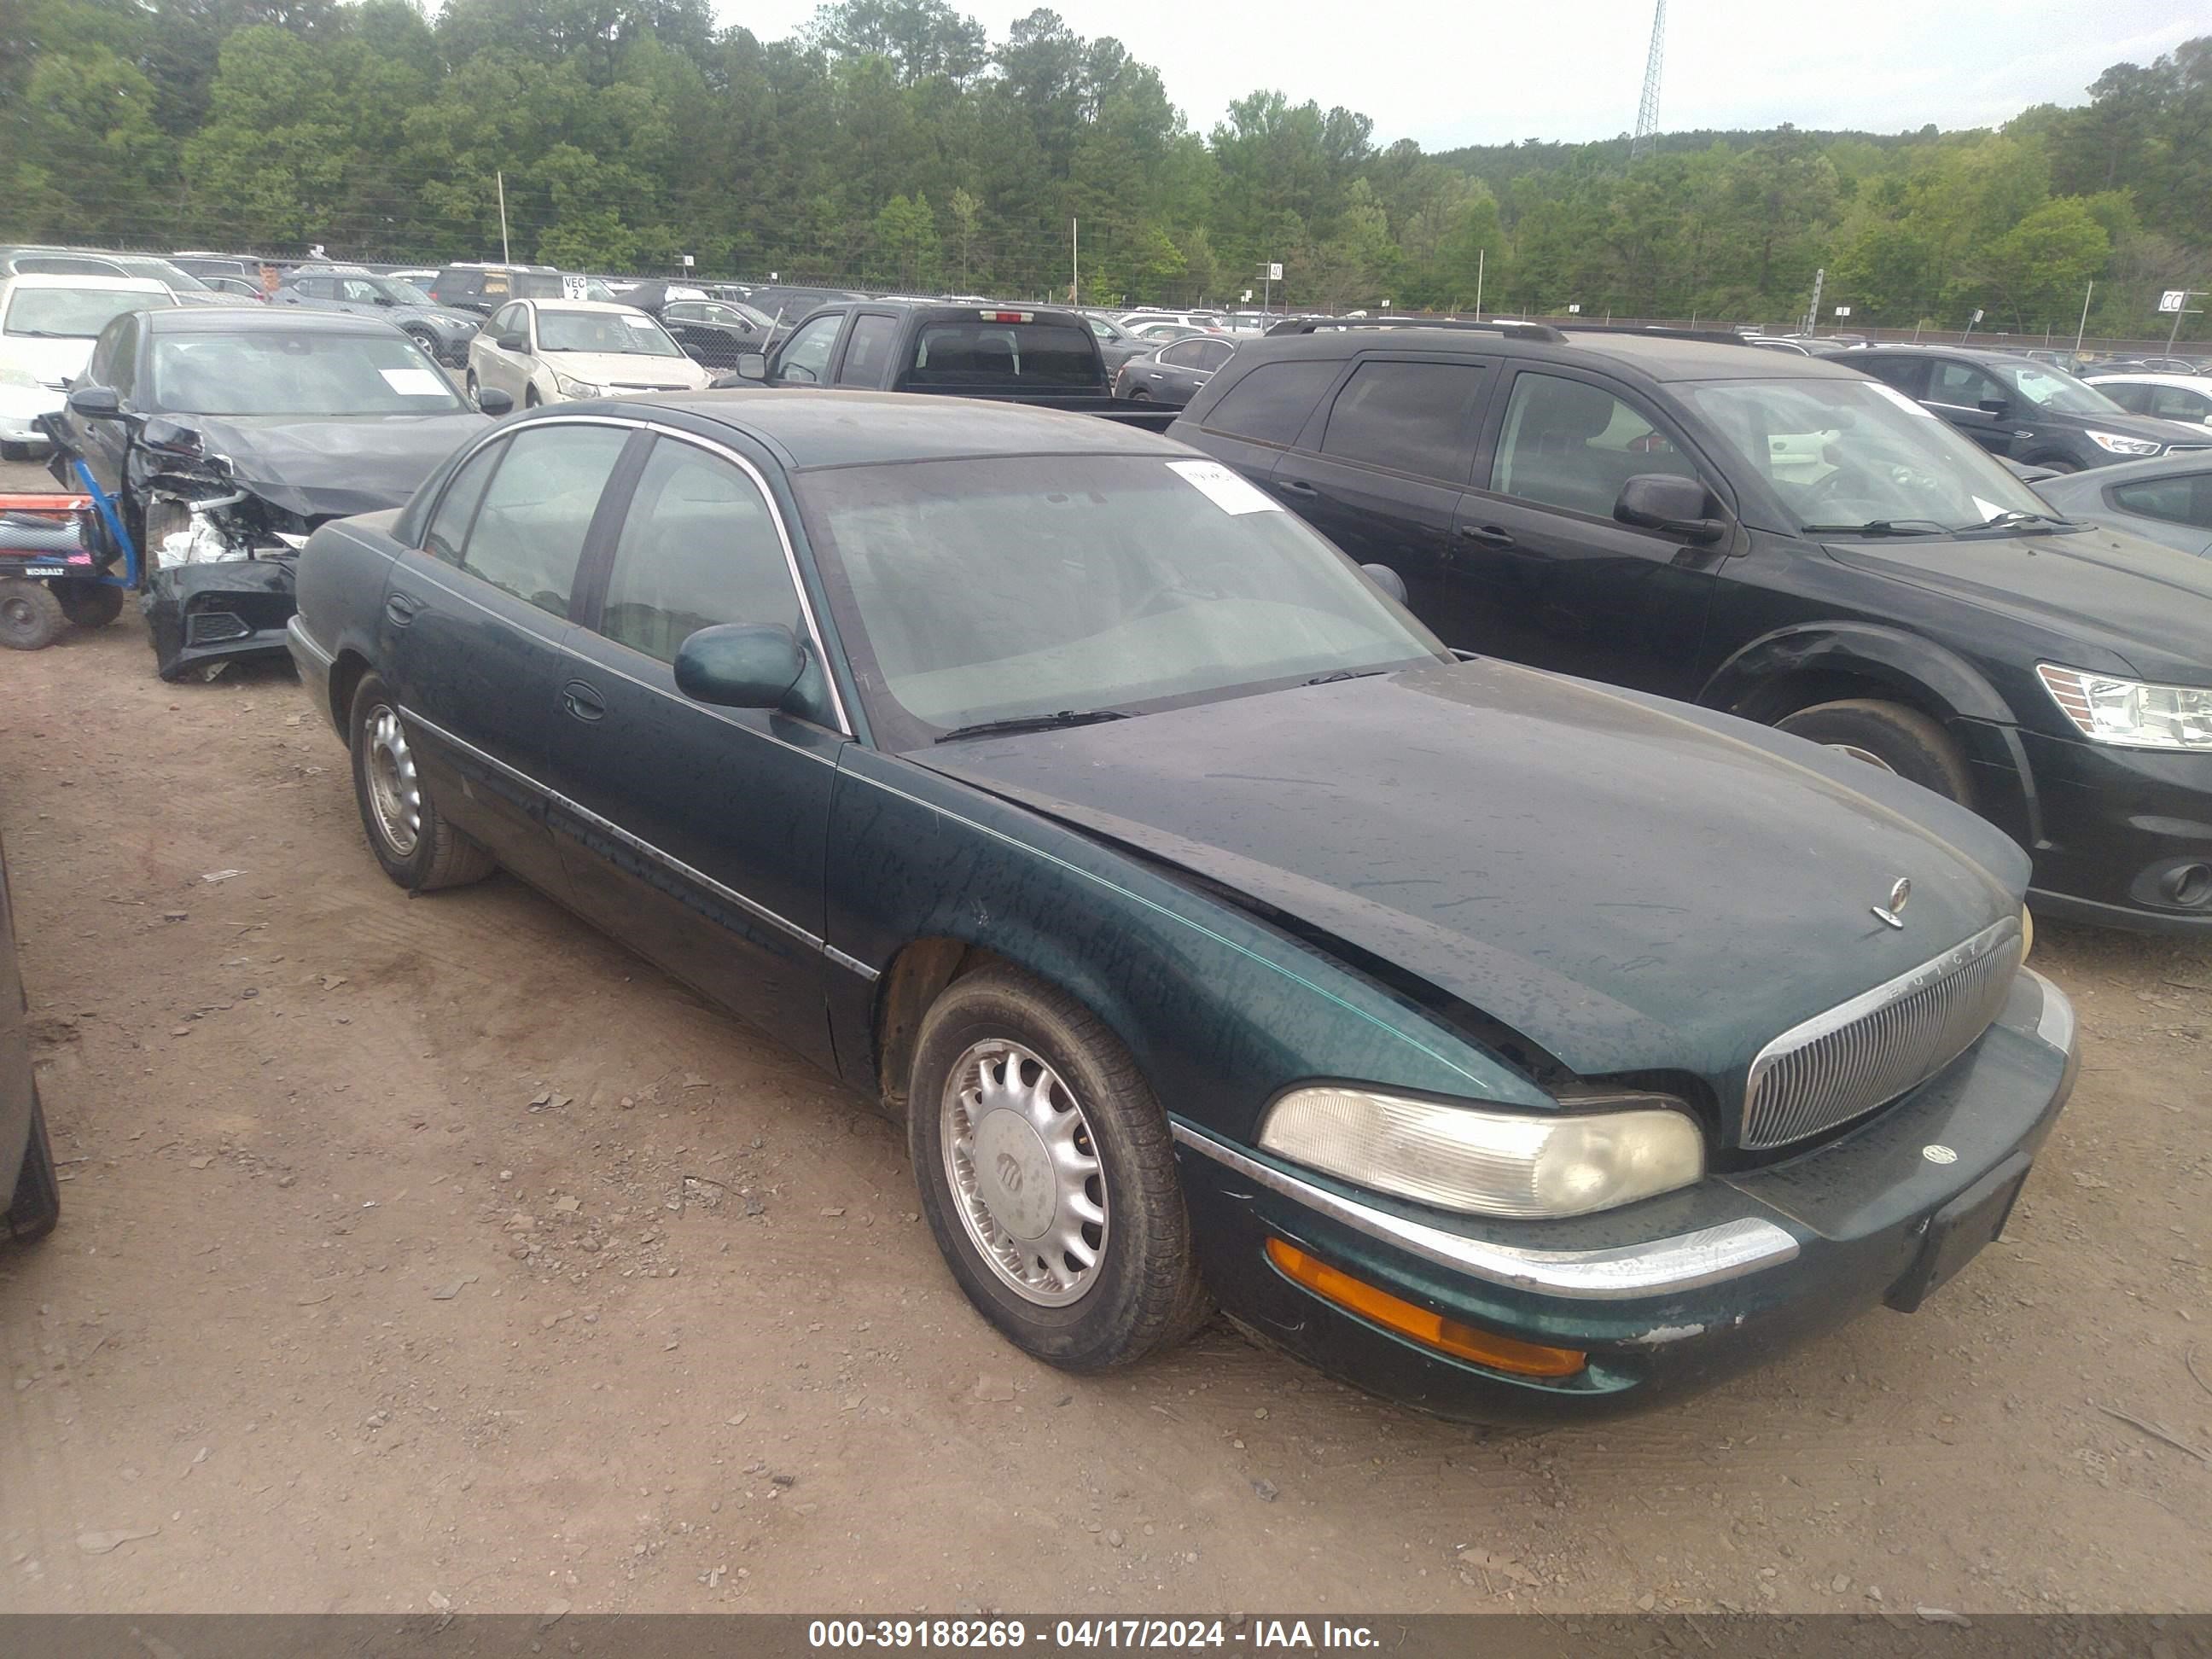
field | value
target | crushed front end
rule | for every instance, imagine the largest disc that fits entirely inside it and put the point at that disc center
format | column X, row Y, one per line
column 219, row 583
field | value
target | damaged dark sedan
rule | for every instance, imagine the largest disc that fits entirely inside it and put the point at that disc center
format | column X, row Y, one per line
column 1512, row 1045
column 226, row 435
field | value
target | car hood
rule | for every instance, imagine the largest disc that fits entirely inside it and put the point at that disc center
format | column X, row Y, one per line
column 2144, row 426
column 627, row 368
column 52, row 360
column 2149, row 605
column 1633, row 884
column 447, row 315
column 323, row 469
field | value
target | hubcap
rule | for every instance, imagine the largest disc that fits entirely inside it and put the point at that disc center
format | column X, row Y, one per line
column 17, row 611
column 1859, row 754
column 395, row 794
column 1024, row 1172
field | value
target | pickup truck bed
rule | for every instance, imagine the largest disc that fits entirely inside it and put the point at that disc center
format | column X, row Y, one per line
column 1044, row 358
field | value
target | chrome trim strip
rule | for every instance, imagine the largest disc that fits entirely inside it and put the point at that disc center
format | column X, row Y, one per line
column 1661, row 1267
column 729, row 895
column 2056, row 1024
column 851, row 964
column 295, row 629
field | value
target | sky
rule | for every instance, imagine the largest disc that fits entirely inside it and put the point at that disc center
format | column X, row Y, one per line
column 1487, row 73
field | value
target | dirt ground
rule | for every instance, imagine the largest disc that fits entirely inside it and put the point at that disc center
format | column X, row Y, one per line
column 430, row 1254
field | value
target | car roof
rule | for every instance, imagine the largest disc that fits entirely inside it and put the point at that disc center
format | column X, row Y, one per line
column 1655, row 357
column 262, row 319
column 811, row 428
column 113, row 284
column 2147, row 377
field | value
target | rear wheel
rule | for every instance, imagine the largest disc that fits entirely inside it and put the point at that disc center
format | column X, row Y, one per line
column 90, row 604
column 1048, row 1176
column 36, row 1204
column 31, row 617
column 409, row 836
column 1890, row 736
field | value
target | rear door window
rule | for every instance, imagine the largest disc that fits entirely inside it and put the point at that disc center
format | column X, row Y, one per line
column 529, row 532
column 1963, row 385
column 699, row 546
column 2177, row 403
column 2184, row 500
column 1271, row 404
column 867, row 350
column 1908, row 374
column 1569, row 444
column 1411, row 417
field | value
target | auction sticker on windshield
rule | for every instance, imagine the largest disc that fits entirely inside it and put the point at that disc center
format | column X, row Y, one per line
column 414, row 382
column 1224, row 487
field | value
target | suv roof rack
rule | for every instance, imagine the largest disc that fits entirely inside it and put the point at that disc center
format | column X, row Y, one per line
column 1320, row 325
column 1663, row 331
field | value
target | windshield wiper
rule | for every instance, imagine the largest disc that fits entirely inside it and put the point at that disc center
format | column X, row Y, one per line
column 1880, row 527
column 2005, row 520
column 1336, row 674
column 1035, row 723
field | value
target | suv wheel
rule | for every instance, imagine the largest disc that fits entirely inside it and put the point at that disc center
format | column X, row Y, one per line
column 1890, row 736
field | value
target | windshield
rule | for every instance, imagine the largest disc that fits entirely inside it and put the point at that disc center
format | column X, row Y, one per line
column 991, row 589
column 631, row 332
column 551, row 285
column 169, row 276
column 2054, row 389
column 269, row 372
column 1848, row 453
column 72, row 314
column 403, row 294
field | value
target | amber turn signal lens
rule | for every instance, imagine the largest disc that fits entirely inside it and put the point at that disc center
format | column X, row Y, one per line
column 1500, row 1353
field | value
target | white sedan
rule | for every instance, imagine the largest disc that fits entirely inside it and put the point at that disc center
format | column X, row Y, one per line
column 47, row 325
column 551, row 351
column 2169, row 397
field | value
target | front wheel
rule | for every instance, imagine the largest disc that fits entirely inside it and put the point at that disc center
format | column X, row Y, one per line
column 409, row 836
column 36, row 1204
column 1891, row 737
column 31, row 617
column 1048, row 1176
column 530, row 399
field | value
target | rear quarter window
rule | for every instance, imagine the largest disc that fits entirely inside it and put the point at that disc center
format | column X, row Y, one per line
column 1271, row 404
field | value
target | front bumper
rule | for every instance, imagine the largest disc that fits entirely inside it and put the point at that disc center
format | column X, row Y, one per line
column 203, row 614
column 1669, row 1294
column 2116, row 831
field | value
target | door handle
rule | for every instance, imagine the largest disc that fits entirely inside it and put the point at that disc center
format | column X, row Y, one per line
column 1489, row 535
column 401, row 608
column 1297, row 486
column 581, row 701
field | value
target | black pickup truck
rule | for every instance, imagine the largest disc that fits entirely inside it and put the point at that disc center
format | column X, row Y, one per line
column 1043, row 358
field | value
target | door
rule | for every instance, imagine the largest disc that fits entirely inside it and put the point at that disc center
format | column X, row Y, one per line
column 1557, row 582
column 502, row 366
column 1957, row 390
column 473, row 623
column 1384, row 481
column 696, row 834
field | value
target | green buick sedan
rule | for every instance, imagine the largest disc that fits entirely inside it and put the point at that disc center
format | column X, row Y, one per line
column 1512, row 1046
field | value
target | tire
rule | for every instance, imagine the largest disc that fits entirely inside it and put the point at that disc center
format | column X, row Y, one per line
column 31, row 617
column 530, row 399
column 422, row 854
column 36, row 1204
column 1004, row 1032
column 473, row 387
column 89, row 605
column 1139, row 395
column 1889, row 735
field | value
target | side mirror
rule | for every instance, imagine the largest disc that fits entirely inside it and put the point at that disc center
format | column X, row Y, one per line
column 493, row 401
column 740, row 664
column 96, row 402
column 1997, row 406
column 1668, row 502
column 512, row 343
column 1387, row 580
column 752, row 366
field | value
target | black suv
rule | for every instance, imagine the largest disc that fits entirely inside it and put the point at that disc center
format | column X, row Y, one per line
column 2034, row 413
column 484, row 288
column 1777, row 536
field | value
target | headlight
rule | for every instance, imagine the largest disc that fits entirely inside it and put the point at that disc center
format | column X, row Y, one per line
column 577, row 388
column 1484, row 1161
column 2026, row 933
column 2129, row 712
column 2119, row 446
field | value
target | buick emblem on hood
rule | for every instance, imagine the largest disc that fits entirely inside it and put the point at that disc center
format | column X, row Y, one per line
column 1898, row 896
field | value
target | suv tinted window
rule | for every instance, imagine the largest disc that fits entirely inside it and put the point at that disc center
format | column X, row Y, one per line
column 1417, row 417
column 529, row 530
column 699, row 547
column 1270, row 404
column 1963, row 385
column 1569, row 444
column 449, row 525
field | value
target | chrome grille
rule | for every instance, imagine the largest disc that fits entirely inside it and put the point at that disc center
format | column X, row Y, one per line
column 1863, row 1054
